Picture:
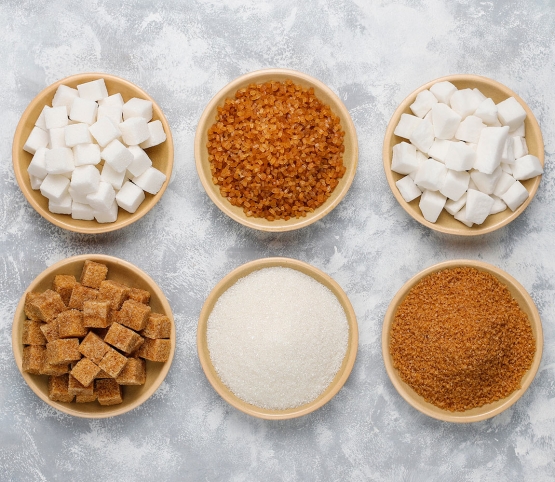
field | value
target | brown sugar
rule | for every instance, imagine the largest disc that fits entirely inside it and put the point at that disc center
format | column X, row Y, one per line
column 30, row 312
column 86, row 398
column 93, row 274
column 114, row 292
column 276, row 150
column 108, row 392
column 96, row 314
column 112, row 362
column 137, row 294
column 85, row 371
column 133, row 373
column 52, row 369
column 157, row 326
column 155, row 350
column 460, row 340
column 46, row 306
column 123, row 338
column 75, row 387
column 70, row 324
column 32, row 333
column 58, row 388
column 33, row 359
column 63, row 351
column 93, row 347
column 50, row 330
column 63, row 284
column 80, row 294
column 134, row 315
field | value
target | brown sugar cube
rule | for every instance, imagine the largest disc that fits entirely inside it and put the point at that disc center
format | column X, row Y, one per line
column 80, row 294
column 108, row 392
column 63, row 284
column 29, row 312
column 46, row 306
column 70, row 324
column 63, row 351
column 33, row 359
column 155, row 350
column 157, row 326
column 32, row 334
column 96, row 314
column 93, row 347
column 113, row 362
column 137, row 294
column 93, row 274
column 133, row 373
column 75, row 387
column 86, row 398
column 50, row 369
column 134, row 315
column 114, row 292
column 123, row 338
column 50, row 330
column 58, row 388
column 85, row 371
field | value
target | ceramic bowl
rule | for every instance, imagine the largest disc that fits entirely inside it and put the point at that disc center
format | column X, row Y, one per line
column 123, row 272
column 447, row 223
column 486, row 411
column 327, row 96
column 210, row 371
column 161, row 155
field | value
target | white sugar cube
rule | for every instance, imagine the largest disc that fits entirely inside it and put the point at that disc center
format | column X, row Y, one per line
column 487, row 111
column 157, row 134
column 443, row 91
column 420, row 158
column 107, row 216
column 85, row 179
column 59, row 160
column 406, row 125
column 515, row 196
column 469, row 129
column 37, row 139
column 453, row 207
column 141, row 162
column 479, row 94
column 83, row 110
column 460, row 157
column 439, row 149
column 102, row 198
column 77, row 134
column 56, row 117
column 54, row 186
column 137, row 108
column 112, row 177
column 93, row 90
column 455, row 185
column 478, row 206
column 520, row 148
column 82, row 211
column 422, row 136
column 114, row 99
column 498, row 205
column 461, row 216
column 520, row 131
column 130, row 197
column 428, row 116
column 527, row 167
column 464, row 102
column 61, row 206
column 114, row 112
column 408, row 189
column 151, row 180
column 134, row 130
column 64, row 96
column 508, row 168
column 37, row 167
column 505, row 182
column 35, row 182
column 486, row 182
column 511, row 113
column 404, row 158
column 431, row 204
column 117, row 156
column 490, row 148
column 423, row 103
column 78, row 196
column 508, row 154
column 104, row 131
column 57, row 137
column 445, row 121
column 84, row 154
column 431, row 175
column 40, row 121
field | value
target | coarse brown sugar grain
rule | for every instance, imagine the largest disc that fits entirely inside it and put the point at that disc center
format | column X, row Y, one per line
column 276, row 150
column 460, row 339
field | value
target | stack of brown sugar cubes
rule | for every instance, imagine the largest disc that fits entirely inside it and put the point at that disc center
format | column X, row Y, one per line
column 93, row 336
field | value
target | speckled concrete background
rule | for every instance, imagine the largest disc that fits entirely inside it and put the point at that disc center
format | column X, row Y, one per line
column 372, row 54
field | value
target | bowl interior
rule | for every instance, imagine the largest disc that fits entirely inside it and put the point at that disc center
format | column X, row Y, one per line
column 447, row 223
column 327, row 96
column 123, row 272
column 476, row 414
column 161, row 155
column 210, row 371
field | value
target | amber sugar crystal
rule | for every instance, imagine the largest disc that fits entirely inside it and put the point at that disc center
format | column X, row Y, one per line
column 276, row 150
column 460, row 340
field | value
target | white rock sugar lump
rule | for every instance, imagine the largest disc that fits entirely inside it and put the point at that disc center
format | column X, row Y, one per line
column 277, row 338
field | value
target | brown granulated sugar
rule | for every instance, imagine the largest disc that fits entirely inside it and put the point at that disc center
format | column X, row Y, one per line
column 276, row 150
column 460, row 340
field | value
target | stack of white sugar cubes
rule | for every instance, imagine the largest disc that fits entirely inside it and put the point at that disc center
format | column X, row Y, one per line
column 465, row 154
column 84, row 127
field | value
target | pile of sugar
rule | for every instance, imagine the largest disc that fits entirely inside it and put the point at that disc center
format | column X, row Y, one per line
column 277, row 338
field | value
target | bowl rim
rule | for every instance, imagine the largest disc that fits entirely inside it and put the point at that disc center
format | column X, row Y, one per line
column 25, row 186
column 389, row 142
column 230, row 279
column 486, row 411
column 207, row 119
column 17, row 346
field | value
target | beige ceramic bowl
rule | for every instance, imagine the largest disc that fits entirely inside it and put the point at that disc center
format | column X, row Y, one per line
column 161, row 155
column 118, row 270
column 210, row 371
column 491, row 409
column 327, row 96
column 447, row 223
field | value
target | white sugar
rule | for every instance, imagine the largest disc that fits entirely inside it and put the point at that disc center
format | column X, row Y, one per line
column 277, row 338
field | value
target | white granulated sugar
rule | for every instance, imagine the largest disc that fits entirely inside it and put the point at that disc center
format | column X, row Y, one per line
column 277, row 338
